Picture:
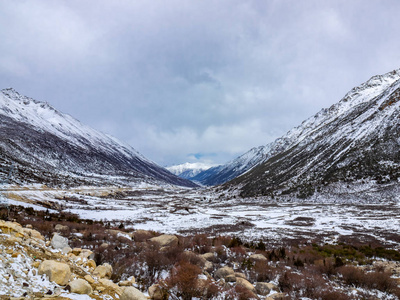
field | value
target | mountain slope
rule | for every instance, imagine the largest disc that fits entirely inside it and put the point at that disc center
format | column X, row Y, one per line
column 50, row 147
column 223, row 173
column 350, row 148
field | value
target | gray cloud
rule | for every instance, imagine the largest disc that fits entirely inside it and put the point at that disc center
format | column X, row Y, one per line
column 194, row 80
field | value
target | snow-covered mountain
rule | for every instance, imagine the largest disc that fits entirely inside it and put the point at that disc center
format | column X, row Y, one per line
column 47, row 146
column 355, row 141
column 188, row 170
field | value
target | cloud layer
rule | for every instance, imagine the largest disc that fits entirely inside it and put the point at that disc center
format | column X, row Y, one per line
column 194, row 80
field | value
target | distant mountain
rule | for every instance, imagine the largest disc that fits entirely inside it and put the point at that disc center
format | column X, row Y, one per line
column 351, row 149
column 223, row 173
column 49, row 147
column 188, row 170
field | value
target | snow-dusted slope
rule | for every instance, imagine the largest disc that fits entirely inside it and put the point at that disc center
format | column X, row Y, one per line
column 353, row 144
column 356, row 138
column 51, row 147
column 188, row 170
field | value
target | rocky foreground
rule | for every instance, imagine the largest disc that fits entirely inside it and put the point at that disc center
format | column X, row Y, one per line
column 87, row 260
column 33, row 267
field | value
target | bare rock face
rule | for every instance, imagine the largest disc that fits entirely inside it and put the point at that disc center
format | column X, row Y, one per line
column 165, row 240
column 59, row 242
column 131, row 293
column 57, row 272
column 80, row 286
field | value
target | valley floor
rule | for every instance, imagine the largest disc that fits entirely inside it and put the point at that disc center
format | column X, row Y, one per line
column 189, row 211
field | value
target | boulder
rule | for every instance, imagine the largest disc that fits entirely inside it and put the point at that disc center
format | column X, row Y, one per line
column 165, row 240
column 208, row 256
column 89, row 279
column 223, row 272
column 60, row 227
column 86, row 253
column 257, row 257
column 66, row 250
column 230, row 278
column 34, row 234
column 111, row 285
column 77, row 251
column 156, row 292
column 103, row 271
column 11, row 228
column 131, row 281
column 80, row 286
column 262, row 288
column 244, row 283
column 241, row 275
column 91, row 264
column 59, row 242
column 131, row 293
column 57, row 272
column 272, row 286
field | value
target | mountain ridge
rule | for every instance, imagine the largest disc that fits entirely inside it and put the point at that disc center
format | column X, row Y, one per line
column 361, row 102
column 54, row 148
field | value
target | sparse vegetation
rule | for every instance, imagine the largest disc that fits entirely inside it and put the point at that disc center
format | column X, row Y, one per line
column 315, row 271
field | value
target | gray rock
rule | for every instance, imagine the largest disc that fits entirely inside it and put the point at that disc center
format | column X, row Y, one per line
column 59, row 242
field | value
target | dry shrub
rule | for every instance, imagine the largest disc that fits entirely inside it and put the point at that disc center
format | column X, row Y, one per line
column 199, row 243
column 374, row 280
column 352, row 275
column 221, row 241
column 381, row 281
column 155, row 259
column 184, row 277
column 221, row 254
column 238, row 251
column 332, row 295
column 261, row 272
column 325, row 266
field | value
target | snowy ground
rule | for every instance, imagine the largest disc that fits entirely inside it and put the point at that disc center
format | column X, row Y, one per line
column 184, row 211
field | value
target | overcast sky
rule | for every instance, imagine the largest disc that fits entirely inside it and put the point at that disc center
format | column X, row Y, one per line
column 195, row 81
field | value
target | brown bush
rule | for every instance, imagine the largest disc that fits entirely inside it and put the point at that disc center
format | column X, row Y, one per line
column 352, row 275
column 261, row 272
column 184, row 277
